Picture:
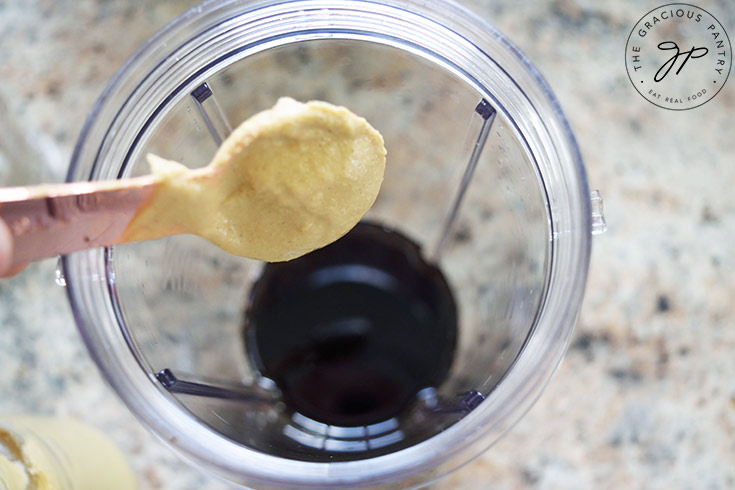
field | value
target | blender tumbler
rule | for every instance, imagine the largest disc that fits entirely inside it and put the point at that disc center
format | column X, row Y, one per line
column 404, row 349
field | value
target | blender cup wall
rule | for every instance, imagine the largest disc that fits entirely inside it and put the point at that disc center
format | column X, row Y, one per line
column 468, row 125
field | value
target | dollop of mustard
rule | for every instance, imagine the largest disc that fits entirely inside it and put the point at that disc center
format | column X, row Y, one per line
column 287, row 181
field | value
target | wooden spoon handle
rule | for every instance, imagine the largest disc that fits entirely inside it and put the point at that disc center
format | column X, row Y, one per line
column 51, row 220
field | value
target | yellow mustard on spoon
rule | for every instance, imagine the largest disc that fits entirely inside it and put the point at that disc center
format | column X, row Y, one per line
column 287, row 181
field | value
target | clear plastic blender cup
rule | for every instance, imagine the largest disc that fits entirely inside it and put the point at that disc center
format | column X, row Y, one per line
column 409, row 346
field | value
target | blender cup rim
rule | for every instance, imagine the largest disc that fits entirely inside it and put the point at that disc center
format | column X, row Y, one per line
column 89, row 284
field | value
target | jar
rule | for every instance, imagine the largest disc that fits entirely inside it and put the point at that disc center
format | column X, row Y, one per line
column 483, row 179
column 58, row 454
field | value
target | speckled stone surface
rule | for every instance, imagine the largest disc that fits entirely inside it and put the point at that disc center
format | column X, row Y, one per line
column 645, row 397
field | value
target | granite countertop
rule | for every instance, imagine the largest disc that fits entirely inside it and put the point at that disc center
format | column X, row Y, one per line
column 645, row 397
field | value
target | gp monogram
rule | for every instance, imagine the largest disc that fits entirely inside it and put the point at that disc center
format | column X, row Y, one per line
column 678, row 56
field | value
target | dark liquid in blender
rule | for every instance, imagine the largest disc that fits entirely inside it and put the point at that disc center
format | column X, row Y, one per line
column 352, row 332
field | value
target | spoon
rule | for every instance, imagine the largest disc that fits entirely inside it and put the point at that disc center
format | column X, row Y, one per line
column 287, row 181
